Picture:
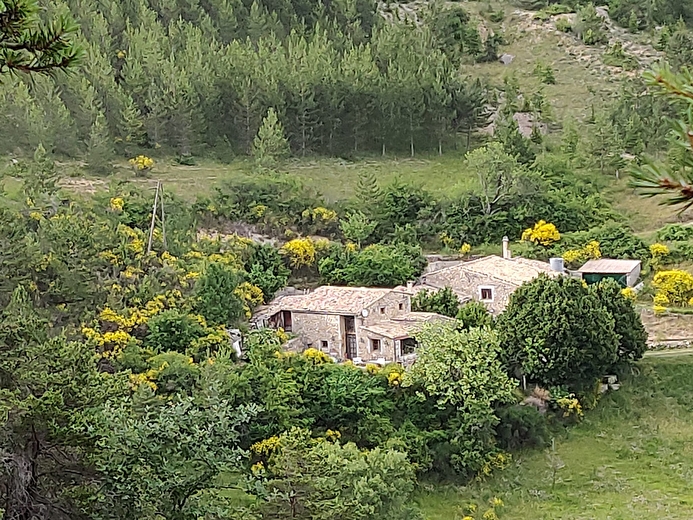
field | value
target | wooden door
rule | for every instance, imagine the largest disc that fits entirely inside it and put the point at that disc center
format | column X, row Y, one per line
column 350, row 350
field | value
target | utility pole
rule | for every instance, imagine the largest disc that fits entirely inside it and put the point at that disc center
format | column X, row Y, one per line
column 158, row 203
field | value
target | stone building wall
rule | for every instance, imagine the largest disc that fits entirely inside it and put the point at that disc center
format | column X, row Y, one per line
column 387, row 347
column 313, row 329
column 393, row 305
column 467, row 285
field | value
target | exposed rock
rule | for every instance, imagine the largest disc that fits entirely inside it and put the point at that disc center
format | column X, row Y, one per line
column 537, row 403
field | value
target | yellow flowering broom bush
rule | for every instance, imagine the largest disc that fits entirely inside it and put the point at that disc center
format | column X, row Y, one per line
column 543, row 233
column 674, row 288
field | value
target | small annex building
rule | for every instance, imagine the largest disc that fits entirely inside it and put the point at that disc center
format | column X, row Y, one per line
column 625, row 272
column 361, row 324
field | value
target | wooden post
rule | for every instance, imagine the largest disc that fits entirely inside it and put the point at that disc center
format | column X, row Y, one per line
column 151, row 227
column 163, row 218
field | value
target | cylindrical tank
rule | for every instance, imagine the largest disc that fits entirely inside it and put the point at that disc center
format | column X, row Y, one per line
column 557, row 265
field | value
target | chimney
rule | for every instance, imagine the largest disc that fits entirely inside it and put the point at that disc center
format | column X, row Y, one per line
column 506, row 248
column 410, row 286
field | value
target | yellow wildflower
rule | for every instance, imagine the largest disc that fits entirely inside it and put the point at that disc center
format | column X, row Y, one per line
column 394, row 378
column 117, row 204
column 142, row 163
column 300, row 251
column 674, row 287
column 372, row 368
column 266, row 446
column 659, row 309
column 543, row 233
column 333, row 435
column 317, row 356
column 629, row 294
column 659, row 250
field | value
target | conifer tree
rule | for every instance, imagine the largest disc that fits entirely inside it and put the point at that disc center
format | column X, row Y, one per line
column 100, row 147
column 132, row 124
column 270, row 145
column 28, row 45
column 369, row 195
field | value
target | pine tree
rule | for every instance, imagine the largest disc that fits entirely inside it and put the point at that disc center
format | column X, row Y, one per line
column 368, row 193
column 132, row 124
column 100, row 147
column 507, row 132
column 270, row 145
column 27, row 45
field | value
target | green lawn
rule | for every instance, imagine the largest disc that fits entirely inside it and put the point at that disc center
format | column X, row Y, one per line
column 334, row 178
column 631, row 458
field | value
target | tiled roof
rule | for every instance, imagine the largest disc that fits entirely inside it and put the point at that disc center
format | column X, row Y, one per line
column 609, row 266
column 393, row 329
column 328, row 300
column 406, row 325
column 511, row 270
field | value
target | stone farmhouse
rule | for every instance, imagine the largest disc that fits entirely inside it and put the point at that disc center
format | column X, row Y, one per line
column 357, row 323
column 491, row 279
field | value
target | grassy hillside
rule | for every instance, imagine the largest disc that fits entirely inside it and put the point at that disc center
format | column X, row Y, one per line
column 631, row 458
column 583, row 84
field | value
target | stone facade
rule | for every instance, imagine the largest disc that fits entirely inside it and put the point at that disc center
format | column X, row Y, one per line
column 468, row 286
column 391, row 306
column 321, row 331
column 490, row 280
column 383, row 323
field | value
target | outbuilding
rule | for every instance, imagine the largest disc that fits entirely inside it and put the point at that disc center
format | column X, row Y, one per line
column 625, row 272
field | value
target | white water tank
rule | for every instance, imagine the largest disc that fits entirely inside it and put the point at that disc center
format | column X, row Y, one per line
column 557, row 265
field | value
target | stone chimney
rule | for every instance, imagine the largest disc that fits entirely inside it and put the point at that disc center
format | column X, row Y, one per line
column 506, row 248
column 410, row 286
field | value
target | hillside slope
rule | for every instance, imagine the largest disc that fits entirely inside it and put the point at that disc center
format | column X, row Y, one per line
column 631, row 458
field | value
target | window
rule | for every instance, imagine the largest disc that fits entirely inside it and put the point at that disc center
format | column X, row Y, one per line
column 408, row 346
column 323, row 344
column 401, row 306
column 486, row 293
column 375, row 345
column 382, row 310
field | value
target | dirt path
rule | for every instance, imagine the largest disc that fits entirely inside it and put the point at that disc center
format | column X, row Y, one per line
column 670, row 353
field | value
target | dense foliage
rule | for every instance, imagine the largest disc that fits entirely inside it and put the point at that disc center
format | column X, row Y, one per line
column 198, row 76
column 546, row 328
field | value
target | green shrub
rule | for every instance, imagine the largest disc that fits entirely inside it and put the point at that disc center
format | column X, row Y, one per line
column 615, row 56
column 590, row 27
column 632, row 342
column 681, row 252
column 375, row 266
column 474, row 314
column 267, row 271
column 563, row 25
column 552, row 10
column 555, row 331
column 215, row 298
column 334, row 481
column 443, row 301
column 675, row 233
column 615, row 241
column 521, row 427
column 545, row 73
column 172, row 330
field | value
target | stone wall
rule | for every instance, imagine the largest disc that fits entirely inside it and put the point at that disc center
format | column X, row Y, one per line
column 388, row 307
column 313, row 329
column 467, row 285
column 387, row 347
